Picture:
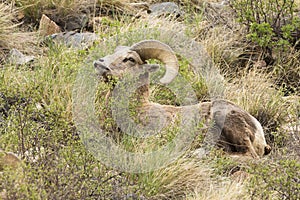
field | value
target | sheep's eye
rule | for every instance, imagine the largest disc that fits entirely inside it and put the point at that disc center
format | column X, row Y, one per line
column 128, row 59
column 131, row 59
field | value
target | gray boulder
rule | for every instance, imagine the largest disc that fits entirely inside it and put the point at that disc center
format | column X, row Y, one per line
column 18, row 58
column 165, row 9
column 74, row 39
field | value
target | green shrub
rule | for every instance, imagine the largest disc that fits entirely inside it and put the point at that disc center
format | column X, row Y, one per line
column 269, row 23
column 276, row 180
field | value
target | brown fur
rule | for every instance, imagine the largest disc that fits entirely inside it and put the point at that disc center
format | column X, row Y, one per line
column 234, row 129
column 238, row 129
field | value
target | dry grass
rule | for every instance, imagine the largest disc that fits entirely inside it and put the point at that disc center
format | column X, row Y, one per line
column 226, row 190
column 6, row 22
column 297, row 3
column 6, row 27
column 173, row 182
column 221, row 44
column 250, row 88
column 67, row 12
column 11, row 37
column 34, row 9
column 182, row 2
column 193, row 179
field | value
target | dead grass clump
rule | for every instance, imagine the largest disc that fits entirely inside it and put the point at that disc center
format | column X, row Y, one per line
column 11, row 37
column 225, row 190
column 191, row 179
column 178, row 179
column 6, row 28
column 223, row 45
column 6, row 23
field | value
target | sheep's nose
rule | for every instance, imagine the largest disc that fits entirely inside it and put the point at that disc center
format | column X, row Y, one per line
column 100, row 65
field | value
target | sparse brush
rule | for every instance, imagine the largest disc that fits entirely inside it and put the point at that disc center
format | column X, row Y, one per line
column 275, row 179
column 267, row 25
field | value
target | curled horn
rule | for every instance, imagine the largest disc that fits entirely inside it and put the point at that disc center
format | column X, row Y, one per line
column 148, row 49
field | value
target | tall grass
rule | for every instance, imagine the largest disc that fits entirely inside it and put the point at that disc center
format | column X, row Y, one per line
column 36, row 112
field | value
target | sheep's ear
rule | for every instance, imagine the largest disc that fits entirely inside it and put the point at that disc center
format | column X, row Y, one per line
column 151, row 67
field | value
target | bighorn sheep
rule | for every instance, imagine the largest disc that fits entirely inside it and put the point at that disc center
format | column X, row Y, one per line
column 240, row 134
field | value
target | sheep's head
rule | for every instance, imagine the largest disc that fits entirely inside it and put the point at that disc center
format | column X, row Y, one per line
column 128, row 59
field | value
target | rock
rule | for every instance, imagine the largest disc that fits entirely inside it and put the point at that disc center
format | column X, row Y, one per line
column 47, row 26
column 165, row 9
column 3, row 195
column 72, row 23
column 11, row 161
column 75, row 40
column 18, row 58
column 8, row 159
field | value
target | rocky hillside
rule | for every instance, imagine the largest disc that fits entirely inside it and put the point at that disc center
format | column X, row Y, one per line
column 46, row 46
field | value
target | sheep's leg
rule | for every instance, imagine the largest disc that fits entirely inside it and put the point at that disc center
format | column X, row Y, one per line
column 250, row 147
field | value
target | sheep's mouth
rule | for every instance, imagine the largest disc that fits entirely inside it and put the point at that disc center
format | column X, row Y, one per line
column 108, row 78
